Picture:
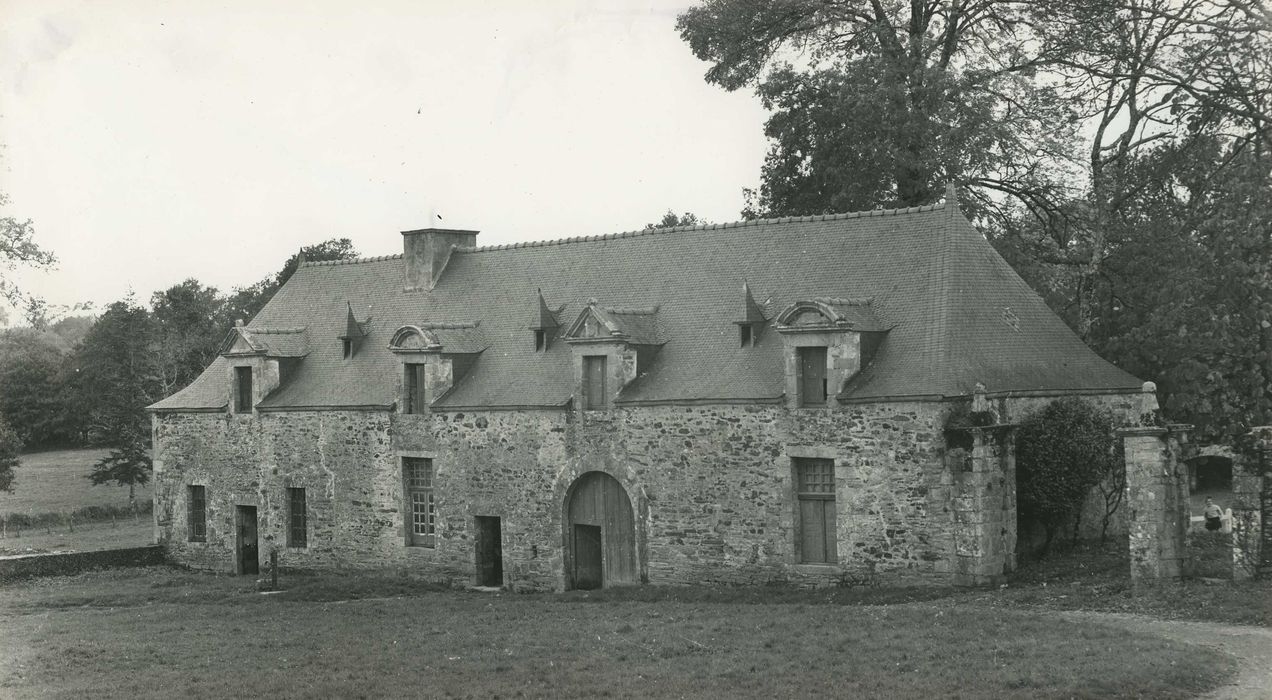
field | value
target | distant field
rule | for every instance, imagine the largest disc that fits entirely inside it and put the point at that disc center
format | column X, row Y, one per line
column 57, row 482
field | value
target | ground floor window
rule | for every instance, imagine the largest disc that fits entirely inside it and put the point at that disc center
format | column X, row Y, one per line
column 297, row 532
column 418, row 475
column 815, row 499
column 197, row 514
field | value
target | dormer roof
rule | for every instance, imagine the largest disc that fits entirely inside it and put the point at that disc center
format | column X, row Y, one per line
column 353, row 329
column 751, row 311
column 545, row 318
column 830, row 312
column 266, row 341
column 445, row 337
column 636, row 326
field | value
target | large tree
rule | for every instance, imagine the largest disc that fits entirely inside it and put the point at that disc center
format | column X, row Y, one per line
column 885, row 101
column 32, row 374
column 244, row 303
column 189, row 322
column 117, row 373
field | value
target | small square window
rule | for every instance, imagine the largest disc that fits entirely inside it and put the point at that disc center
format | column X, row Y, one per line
column 540, row 341
column 747, row 338
column 347, row 347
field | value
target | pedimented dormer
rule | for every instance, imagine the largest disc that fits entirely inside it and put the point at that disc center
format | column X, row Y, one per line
column 611, row 348
column 434, row 356
column 827, row 342
column 260, row 359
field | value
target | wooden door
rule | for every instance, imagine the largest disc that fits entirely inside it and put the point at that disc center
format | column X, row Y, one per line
column 597, row 499
column 589, row 569
column 247, row 547
column 489, row 552
column 812, row 376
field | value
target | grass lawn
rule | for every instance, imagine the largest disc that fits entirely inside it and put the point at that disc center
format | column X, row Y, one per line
column 57, row 482
column 86, row 537
column 162, row 633
column 1095, row 578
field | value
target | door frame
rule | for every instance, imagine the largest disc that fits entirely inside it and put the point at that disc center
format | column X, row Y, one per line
column 241, row 511
column 482, row 550
column 634, row 510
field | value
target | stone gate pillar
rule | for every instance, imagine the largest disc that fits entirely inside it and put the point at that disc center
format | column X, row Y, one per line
column 985, row 507
column 1157, row 495
column 1251, row 503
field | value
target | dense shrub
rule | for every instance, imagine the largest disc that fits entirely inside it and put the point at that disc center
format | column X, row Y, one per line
column 10, row 448
column 1062, row 452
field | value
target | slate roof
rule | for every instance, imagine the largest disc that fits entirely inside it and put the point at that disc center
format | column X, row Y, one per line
column 957, row 314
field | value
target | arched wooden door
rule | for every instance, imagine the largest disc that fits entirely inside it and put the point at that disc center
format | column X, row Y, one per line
column 600, row 536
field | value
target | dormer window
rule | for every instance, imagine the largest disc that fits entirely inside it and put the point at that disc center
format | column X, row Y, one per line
column 752, row 321
column 544, row 324
column 415, row 383
column 353, row 333
column 242, row 389
column 594, row 396
column 827, row 342
column 813, row 390
column 434, row 357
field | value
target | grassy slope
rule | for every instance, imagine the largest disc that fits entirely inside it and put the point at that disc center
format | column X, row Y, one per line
column 160, row 633
column 57, row 482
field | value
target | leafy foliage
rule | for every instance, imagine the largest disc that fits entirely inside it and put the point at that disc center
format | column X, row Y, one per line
column 33, row 374
column 1062, row 452
column 885, row 103
column 10, row 448
column 118, row 374
column 671, row 219
column 128, row 464
column 18, row 247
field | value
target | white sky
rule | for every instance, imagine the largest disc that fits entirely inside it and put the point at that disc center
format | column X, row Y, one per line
column 155, row 141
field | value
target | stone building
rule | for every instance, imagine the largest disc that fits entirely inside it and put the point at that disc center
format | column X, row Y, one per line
column 735, row 403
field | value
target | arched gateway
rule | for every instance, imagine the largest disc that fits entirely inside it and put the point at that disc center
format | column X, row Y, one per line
column 600, row 533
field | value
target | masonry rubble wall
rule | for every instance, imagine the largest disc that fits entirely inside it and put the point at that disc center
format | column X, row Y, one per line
column 711, row 488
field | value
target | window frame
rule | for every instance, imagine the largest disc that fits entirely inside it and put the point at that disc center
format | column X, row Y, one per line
column 414, row 381
column 297, row 518
column 747, row 335
column 540, row 340
column 801, row 354
column 420, row 532
column 244, row 379
column 594, row 397
column 196, row 517
column 346, row 347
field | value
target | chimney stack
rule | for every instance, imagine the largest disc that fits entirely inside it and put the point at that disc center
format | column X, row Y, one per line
column 426, row 251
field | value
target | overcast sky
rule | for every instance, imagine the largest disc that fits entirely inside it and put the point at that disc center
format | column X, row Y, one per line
column 155, row 141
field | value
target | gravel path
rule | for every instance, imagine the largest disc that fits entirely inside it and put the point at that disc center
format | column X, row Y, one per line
column 1250, row 646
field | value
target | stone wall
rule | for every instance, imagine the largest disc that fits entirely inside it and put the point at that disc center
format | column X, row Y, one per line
column 711, row 488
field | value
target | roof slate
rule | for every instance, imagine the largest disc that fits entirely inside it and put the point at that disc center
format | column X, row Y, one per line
column 949, row 301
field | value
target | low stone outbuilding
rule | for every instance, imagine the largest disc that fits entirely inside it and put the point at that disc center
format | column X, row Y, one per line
column 737, row 403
